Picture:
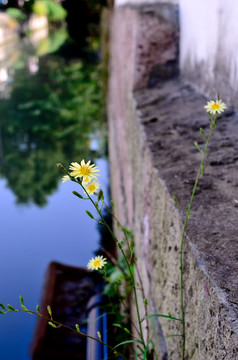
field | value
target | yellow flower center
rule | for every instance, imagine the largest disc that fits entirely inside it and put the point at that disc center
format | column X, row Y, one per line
column 215, row 106
column 85, row 170
column 96, row 263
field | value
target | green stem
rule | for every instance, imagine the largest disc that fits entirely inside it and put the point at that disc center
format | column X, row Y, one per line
column 68, row 327
column 183, row 235
column 125, row 257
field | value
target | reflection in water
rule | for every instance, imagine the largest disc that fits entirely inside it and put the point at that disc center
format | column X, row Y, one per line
column 50, row 117
column 49, row 112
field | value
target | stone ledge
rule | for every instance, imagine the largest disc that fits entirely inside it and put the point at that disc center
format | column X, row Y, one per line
column 172, row 115
column 172, row 125
column 152, row 156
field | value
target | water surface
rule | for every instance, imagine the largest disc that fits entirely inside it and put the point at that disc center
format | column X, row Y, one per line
column 49, row 112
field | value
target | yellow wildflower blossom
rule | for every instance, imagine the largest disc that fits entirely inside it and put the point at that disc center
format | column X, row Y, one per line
column 97, row 263
column 65, row 178
column 85, row 171
column 92, row 187
column 214, row 107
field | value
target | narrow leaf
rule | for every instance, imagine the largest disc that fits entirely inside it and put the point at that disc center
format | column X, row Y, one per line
column 22, row 303
column 77, row 327
column 3, row 306
column 38, row 309
column 49, row 310
column 202, row 132
column 21, row 300
column 127, row 331
column 175, row 200
column 77, row 194
column 10, row 307
column 128, row 342
column 2, row 312
column 89, row 214
column 197, row 146
column 100, row 195
column 52, row 324
column 146, row 349
column 202, row 169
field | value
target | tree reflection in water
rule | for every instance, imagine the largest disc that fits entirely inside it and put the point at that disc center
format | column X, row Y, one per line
column 49, row 118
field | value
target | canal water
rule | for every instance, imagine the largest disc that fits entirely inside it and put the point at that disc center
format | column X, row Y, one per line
column 50, row 111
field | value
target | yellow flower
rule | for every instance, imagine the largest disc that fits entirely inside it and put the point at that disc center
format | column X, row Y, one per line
column 96, row 263
column 85, row 171
column 65, row 178
column 214, row 107
column 92, row 187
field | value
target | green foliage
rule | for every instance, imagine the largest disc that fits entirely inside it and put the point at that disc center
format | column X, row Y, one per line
column 52, row 43
column 54, row 11
column 39, row 8
column 16, row 14
column 44, row 121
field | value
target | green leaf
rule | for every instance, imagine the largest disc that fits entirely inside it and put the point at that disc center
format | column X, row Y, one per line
column 100, row 195
column 38, row 309
column 2, row 312
column 146, row 349
column 77, row 194
column 89, row 214
column 175, row 200
column 197, row 146
column 202, row 132
column 77, row 327
column 128, row 232
column 145, row 302
column 118, row 225
column 49, row 310
column 22, row 303
column 128, row 342
column 10, row 307
column 3, row 306
column 116, row 275
column 127, row 330
column 161, row 315
column 52, row 324
column 21, row 300
column 202, row 169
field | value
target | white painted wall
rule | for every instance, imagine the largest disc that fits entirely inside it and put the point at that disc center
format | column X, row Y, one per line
column 208, row 43
column 136, row 2
column 209, row 40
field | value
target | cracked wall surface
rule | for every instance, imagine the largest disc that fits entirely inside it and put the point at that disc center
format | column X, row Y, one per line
column 154, row 119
